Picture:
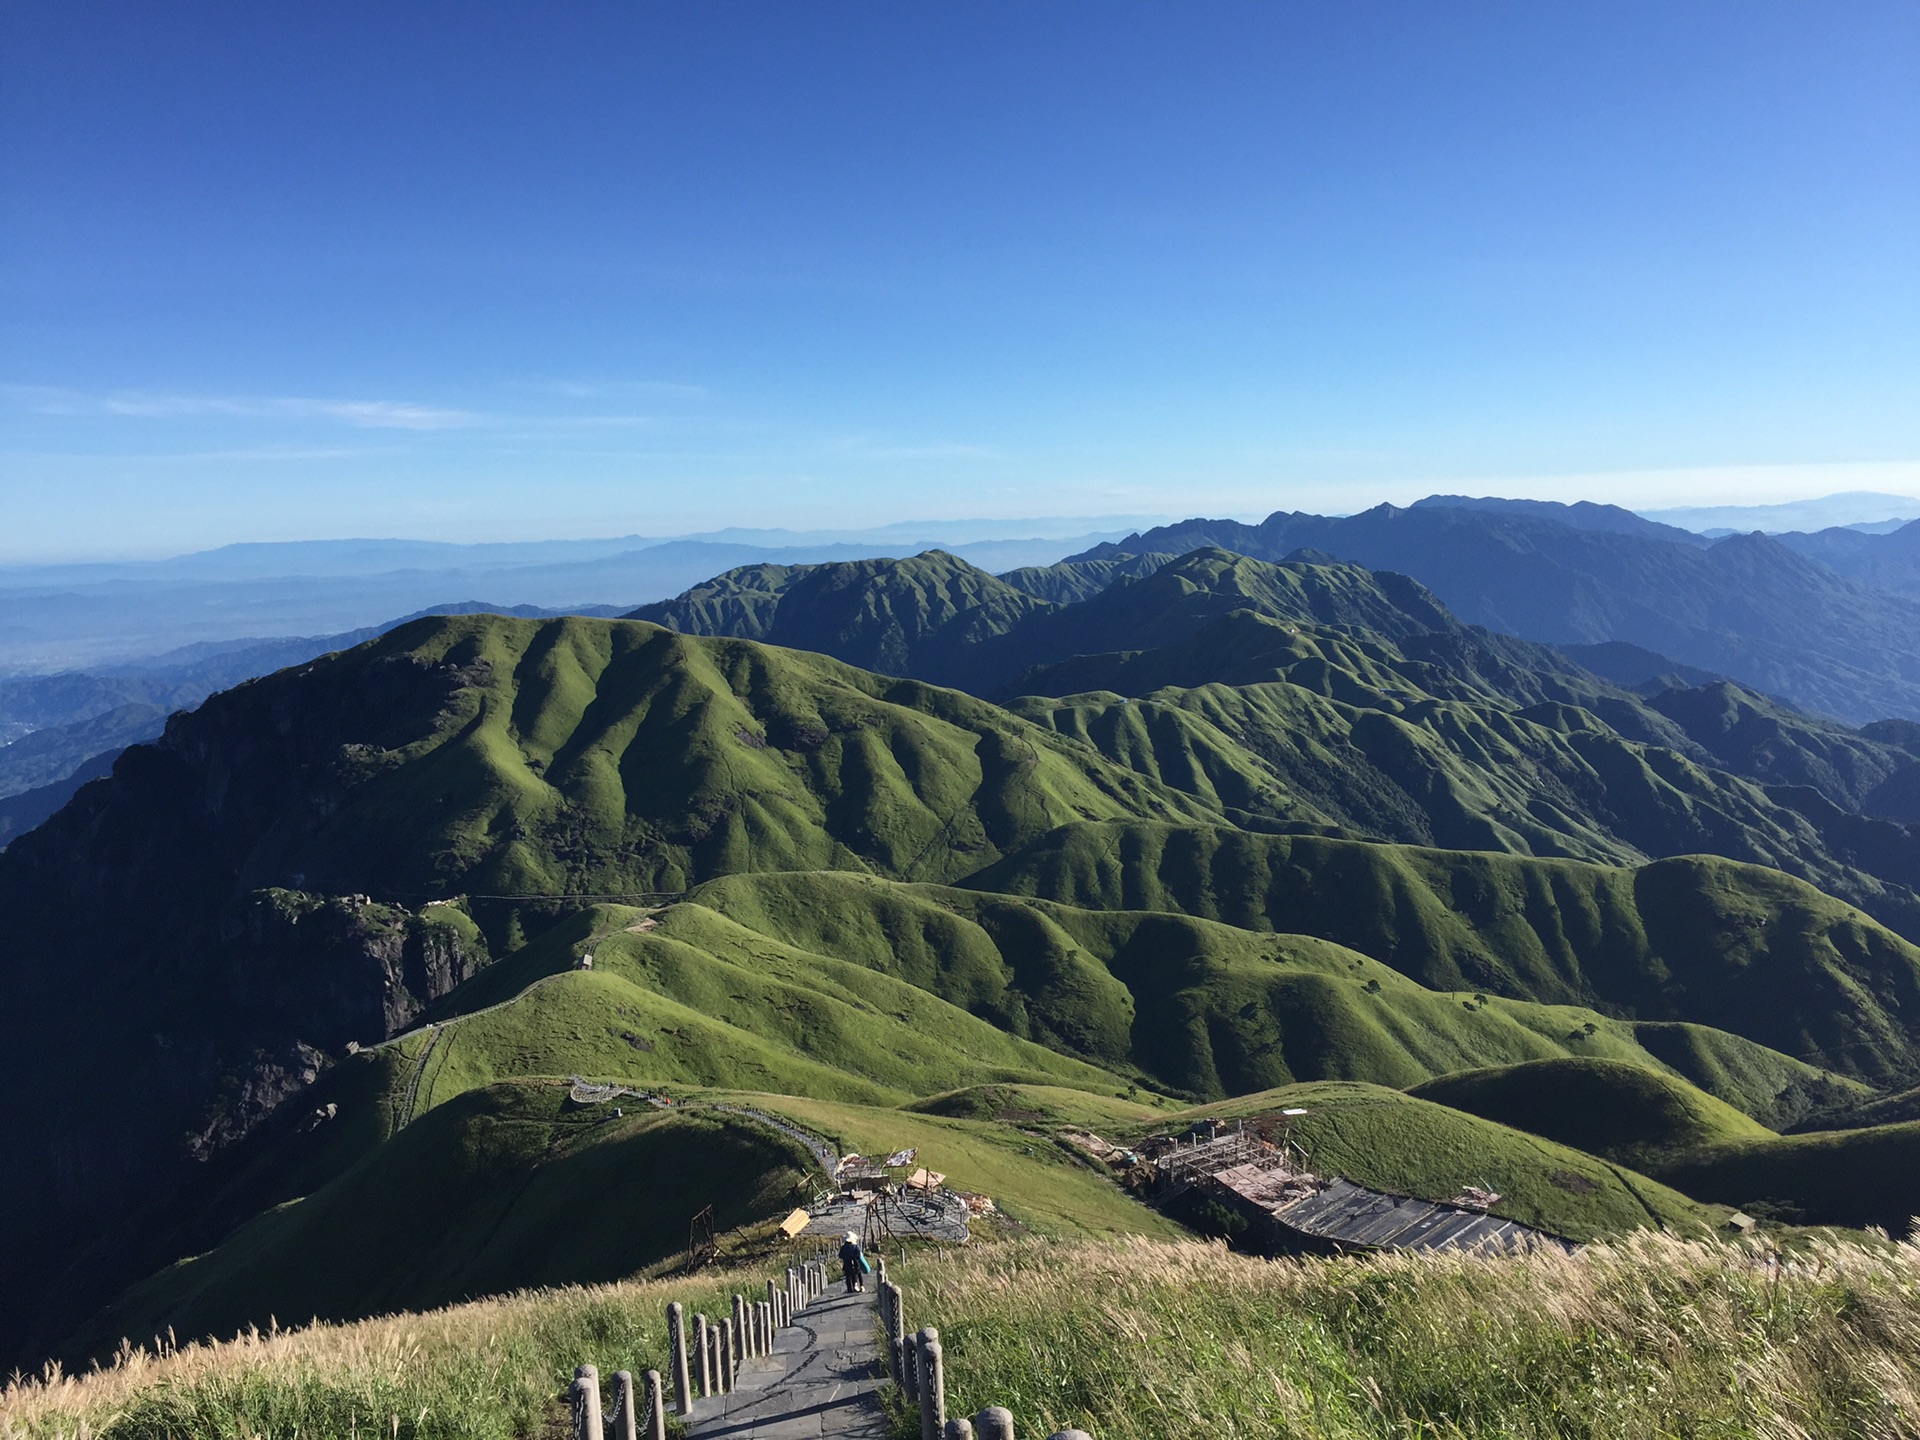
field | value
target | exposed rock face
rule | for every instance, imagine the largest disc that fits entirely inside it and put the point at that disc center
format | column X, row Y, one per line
column 190, row 978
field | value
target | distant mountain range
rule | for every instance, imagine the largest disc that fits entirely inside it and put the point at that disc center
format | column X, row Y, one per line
column 1751, row 607
column 75, row 616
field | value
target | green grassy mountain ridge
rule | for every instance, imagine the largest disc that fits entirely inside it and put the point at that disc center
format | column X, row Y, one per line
column 1689, row 940
column 844, row 889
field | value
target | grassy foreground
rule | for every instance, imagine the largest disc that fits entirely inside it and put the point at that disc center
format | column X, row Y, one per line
column 492, row 1369
column 1138, row 1340
column 1650, row 1337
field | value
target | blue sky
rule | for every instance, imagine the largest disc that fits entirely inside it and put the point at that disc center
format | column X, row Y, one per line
column 492, row 271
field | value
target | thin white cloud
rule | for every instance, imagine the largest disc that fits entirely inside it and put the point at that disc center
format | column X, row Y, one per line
column 148, row 405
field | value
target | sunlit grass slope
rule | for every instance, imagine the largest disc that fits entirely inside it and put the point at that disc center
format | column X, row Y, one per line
column 1622, row 1112
column 496, row 1369
column 1637, row 1341
column 1394, row 1142
column 1208, row 1009
column 503, row 1188
column 1697, row 939
column 1666, row 1128
column 1644, row 1340
column 570, row 755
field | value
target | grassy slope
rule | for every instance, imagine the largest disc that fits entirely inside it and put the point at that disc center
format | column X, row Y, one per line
column 924, row 615
column 1647, row 1340
column 573, row 755
column 1620, row 1112
column 1190, row 1006
column 1408, row 1146
column 506, row 1187
column 697, row 999
column 1289, row 722
column 1036, row 1182
column 1695, row 939
column 1650, row 1340
column 1668, row 1129
column 1838, row 1177
column 509, row 1185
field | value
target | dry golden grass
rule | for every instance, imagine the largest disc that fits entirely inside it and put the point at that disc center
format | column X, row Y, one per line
column 1649, row 1337
column 487, row 1370
column 1645, row 1339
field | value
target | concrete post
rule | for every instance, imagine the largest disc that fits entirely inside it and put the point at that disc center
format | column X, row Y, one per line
column 656, row 1408
column 726, row 1354
column 910, row 1369
column 896, row 1330
column 765, row 1307
column 993, row 1423
column 623, row 1426
column 702, row 1356
column 958, row 1429
column 586, row 1404
column 933, row 1390
column 1070, row 1435
column 677, row 1345
column 743, row 1342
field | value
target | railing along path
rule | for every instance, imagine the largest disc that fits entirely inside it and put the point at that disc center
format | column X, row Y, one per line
column 707, row 1358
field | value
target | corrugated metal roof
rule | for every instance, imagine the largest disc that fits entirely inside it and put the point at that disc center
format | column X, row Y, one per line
column 1343, row 1213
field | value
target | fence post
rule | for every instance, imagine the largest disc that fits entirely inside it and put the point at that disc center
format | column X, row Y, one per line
column 740, row 1337
column 656, row 1407
column 586, row 1404
column 959, row 1429
column 728, row 1369
column 1070, row 1435
column 993, row 1423
column 677, row 1344
column 702, row 1357
column 623, row 1406
column 895, row 1326
column 933, row 1397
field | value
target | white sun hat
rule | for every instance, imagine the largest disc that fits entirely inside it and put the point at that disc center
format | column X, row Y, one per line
column 853, row 1237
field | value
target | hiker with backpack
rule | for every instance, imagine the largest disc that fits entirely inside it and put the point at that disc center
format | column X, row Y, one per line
column 854, row 1265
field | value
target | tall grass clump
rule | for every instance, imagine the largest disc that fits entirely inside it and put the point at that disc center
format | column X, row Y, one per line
column 1647, row 1337
column 489, row 1370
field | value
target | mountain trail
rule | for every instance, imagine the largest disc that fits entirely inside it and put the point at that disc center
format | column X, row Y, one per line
column 822, row 1379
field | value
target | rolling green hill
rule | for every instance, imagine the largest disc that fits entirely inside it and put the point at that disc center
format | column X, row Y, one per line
column 1839, row 1177
column 1692, row 939
column 1186, row 1005
column 1408, row 1146
column 487, row 852
column 1665, row 1128
column 479, row 754
column 1314, row 695
column 923, row 616
column 1629, row 1113
column 506, row 1187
